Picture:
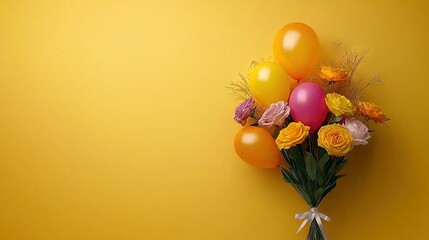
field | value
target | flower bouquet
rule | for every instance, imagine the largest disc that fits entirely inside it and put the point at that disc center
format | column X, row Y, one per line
column 304, row 118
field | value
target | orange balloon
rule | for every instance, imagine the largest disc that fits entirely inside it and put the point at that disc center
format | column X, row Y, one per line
column 294, row 83
column 297, row 49
column 256, row 146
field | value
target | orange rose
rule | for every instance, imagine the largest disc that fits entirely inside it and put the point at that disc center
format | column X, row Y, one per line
column 295, row 133
column 372, row 111
column 332, row 74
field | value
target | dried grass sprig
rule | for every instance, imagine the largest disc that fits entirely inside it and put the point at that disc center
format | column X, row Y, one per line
column 240, row 88
column 349, row 60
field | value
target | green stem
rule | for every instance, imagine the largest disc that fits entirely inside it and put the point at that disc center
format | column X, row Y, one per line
column 314, row 233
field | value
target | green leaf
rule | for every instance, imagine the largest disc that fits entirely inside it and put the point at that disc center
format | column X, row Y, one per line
column 333, row 167
column 306, row 197
column 288, row 177
column 310, row 165
column 321, row 151
column 295, row 153
column 286, row 157
column 328, row 189
column 295, row 174
column 297, row 156
column 340, row 165
column 335, row 119
column 322, row 162
column 339, row 176
column 320, row 178
column 318, row 193
column 310, row 191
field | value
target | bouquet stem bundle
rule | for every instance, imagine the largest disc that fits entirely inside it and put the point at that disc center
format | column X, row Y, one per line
column 314, row 233
column 313, row 174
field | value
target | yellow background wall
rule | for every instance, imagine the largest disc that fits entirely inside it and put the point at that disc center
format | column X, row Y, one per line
column 115, row 123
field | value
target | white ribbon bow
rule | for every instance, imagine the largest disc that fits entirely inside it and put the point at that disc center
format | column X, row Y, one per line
column 310, row 216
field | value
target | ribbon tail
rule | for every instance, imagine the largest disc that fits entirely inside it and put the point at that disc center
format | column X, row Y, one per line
column 324, row 217
column 307, row 219
column 320, row 224
column 303, row 215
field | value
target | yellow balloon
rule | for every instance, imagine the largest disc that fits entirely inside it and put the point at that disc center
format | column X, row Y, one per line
column 268, row 84
column 297, row 49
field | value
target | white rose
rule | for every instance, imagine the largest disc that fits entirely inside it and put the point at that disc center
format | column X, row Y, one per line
column 358, row 130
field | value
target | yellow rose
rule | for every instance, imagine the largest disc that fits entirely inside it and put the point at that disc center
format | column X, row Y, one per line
column 339, row 105
column 336, row 139
column 332, row 74
column 295, row 133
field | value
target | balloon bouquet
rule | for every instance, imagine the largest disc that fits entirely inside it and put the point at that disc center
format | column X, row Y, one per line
column 307, row 130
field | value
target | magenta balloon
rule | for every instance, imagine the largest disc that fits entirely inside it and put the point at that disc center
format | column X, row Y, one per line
column 307, row 104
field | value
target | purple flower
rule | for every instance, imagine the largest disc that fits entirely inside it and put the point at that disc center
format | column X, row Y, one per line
column 244, row 110
column 275, row 114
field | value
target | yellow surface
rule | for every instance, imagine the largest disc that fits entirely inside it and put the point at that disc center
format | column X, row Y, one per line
column 115, row 123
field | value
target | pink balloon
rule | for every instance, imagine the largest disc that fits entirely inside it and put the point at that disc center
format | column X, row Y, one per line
column 307, row 104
